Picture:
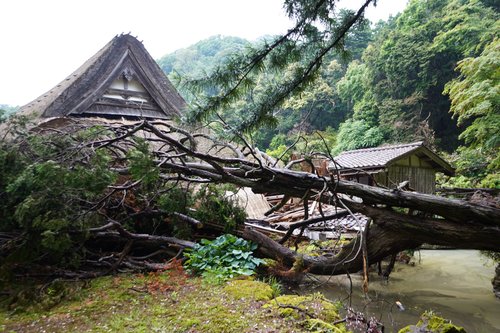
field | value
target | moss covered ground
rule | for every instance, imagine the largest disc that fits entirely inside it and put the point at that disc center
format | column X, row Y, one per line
column 171, row 301
column 162, row 302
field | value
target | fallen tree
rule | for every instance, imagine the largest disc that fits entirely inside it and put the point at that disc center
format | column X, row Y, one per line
column 147, row 161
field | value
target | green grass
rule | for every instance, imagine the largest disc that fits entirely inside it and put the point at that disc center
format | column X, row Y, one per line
column 163, row 302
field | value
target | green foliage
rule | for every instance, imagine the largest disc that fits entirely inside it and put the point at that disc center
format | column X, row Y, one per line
column 201, row 57
column 176, row 200
column 475, row 97
column 317, row 142
column 209, row 68
column 391, row 92
column 210, row 204
column 278, row 147
column 354, row 134
column 280, row 152
column 92, row 179
column 267, row 73
column 476, row 92
column 43, row 197
column 11, row 164
column 410, row 61
column 473, row 168
column 214, row 205
column 304, row 144
column 275, row 284
column 351, row 87
column 491, row 180
column 142, row 166
column 471, row 163
column 198, row 60
column 223, row 258
column 317, row 107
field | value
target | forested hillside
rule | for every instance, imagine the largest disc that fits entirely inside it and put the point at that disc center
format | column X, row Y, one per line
column 393, row 81
column 200, row 58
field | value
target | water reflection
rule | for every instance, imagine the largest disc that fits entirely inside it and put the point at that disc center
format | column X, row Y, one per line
column 455, row 284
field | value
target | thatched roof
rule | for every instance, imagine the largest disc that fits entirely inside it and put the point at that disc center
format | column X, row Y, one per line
column 381, row 157
column 121, row 80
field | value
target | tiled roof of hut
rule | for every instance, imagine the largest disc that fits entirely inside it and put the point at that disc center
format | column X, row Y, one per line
column 380, row 157
column 120, row 80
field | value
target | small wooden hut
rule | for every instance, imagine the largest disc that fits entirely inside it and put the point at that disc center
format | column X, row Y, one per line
column 121, row 81
column 391, row 165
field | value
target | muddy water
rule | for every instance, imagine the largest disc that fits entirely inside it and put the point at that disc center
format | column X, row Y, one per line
column 455, row 284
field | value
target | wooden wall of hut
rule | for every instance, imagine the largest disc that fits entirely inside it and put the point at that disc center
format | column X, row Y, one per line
column 422, row 180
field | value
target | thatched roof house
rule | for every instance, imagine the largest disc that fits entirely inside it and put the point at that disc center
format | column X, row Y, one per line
column 122, row 80
column 120, row 85
column 390, row 165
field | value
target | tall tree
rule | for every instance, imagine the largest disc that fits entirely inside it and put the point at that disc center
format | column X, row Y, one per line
column 413, row 57
column 475, row 101
column 319, row 30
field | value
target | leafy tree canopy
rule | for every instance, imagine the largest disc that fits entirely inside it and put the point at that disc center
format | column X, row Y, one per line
column 475, row 101
column 319, row 29
column 410, row 61
column 368, row 84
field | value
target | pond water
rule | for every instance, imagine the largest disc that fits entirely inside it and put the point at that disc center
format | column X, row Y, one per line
column 455, row 284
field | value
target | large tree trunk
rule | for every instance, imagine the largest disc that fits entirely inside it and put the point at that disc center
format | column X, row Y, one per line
column 457, row 223
column 389, row 233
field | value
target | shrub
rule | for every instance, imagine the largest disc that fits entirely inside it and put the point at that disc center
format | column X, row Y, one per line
column 223, row 258
column 214, row 206
column 44, row 195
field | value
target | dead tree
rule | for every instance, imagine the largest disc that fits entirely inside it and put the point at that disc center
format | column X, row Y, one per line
column 187, row 156
column 455, row 222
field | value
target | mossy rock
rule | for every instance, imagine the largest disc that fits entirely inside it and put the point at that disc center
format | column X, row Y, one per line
column 320, row 326
column 433, row 324
column 315, row 304
column 256, row 290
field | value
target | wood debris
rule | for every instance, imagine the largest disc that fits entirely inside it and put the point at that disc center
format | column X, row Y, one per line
column 279, row 221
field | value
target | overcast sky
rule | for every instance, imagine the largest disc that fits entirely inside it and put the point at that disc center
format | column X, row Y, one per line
column 44, row 41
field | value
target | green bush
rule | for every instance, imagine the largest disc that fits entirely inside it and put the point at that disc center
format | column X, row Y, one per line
column 215, row 206
column 223, row 258
column 45, row 189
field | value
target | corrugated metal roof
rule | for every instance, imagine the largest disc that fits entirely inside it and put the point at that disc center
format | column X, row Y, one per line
column 374, row 157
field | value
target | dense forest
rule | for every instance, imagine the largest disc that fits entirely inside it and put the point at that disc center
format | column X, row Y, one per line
column 431, row 74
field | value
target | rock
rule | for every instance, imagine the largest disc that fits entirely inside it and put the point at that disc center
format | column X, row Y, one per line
column 430, row 323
